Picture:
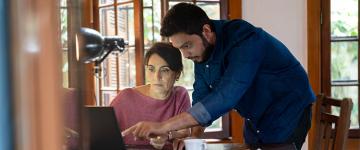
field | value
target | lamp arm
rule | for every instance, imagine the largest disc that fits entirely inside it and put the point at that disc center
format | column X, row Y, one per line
column 98, row 62
column 103, row 58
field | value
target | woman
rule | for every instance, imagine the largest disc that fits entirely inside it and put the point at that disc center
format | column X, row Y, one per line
column 158, row 100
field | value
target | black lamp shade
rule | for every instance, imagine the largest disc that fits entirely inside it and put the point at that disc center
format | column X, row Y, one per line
column 90, row 44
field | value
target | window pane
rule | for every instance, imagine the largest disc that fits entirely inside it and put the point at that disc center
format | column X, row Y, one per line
column 215, row 126
column 148, row 27
column 108, row 96
column 187, row 77
column 109, row 72
column 174, row 2
column 65, row 69
column 63, row 3
column 121, row 1
column 127, row 68
column 178, row 1
column 344, row 61
column 344, row 19
column 350, row 92
column 151, row 27
column 64, row 28
column 147, row 3
column 126, row 23
column 64, row 44
column 157, row 20
column 104, row 2
column 211, row 9
column 107, row 21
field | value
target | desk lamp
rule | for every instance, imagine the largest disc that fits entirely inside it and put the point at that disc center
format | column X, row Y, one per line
column 91, row 46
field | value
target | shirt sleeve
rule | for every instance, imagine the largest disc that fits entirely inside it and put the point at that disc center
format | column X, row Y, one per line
column 243, row 63
column 117, row 99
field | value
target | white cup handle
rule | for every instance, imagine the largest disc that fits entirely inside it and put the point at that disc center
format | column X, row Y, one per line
column 204, row 146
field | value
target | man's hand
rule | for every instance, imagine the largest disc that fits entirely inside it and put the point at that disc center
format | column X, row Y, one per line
column 145, row 130
column 178, row 144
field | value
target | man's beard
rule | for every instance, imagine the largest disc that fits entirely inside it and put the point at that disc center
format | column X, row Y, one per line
column 208, row 49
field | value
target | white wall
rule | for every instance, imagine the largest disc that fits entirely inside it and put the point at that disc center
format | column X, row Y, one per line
column 284, row 19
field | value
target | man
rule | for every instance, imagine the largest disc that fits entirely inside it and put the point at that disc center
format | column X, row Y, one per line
column 241, row 67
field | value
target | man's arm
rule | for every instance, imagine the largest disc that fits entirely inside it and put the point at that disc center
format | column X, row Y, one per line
column 150, row 129
column 243, row 62
column 197, row 131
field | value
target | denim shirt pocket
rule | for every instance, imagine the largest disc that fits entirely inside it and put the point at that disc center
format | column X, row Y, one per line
column 214, row 73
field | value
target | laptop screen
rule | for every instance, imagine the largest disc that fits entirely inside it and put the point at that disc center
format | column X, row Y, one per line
column 104, row 133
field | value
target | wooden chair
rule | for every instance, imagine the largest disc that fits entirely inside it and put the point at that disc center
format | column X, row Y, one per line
column 71, row 118
column 327, row 137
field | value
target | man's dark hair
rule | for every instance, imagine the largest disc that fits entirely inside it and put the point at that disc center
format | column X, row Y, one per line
column 184, row 17
column 169, row 53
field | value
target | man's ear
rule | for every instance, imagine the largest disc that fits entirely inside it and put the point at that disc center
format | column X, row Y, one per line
column 207, row 32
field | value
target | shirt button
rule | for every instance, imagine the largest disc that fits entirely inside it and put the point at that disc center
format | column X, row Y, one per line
column 207, row 66
column 210, row 86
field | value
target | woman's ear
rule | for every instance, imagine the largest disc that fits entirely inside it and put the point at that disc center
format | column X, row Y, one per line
column 177, row 76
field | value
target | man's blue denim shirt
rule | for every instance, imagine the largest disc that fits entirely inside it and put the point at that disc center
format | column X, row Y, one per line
column 255, row 74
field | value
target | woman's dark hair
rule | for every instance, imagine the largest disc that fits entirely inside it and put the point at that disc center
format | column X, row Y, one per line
column 169, row 53
column 184, row 17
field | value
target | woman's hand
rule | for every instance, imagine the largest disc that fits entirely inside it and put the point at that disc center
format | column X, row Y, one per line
column 158, row 142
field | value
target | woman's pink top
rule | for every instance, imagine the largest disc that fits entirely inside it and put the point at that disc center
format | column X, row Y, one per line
column 132, row 107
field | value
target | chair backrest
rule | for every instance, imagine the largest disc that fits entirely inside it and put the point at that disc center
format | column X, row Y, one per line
column 71, row 118
column 326, row 136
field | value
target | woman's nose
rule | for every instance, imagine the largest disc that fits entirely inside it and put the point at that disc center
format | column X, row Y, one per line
column 157, row 75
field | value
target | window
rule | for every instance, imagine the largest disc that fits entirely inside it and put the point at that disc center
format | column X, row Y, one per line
column 152, row 17
column 340, row 50
column 64, row 42
column 118, row 70
column 219, row 128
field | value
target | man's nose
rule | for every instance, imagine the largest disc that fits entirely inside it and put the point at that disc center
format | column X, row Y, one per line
column 185, row 53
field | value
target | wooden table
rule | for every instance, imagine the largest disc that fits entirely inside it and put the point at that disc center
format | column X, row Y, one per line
column 236, row 146
column 226, row 146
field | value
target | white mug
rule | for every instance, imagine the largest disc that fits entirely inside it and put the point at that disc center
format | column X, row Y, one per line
column 195, row 144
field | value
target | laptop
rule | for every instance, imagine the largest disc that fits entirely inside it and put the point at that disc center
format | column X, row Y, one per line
column 104, row 133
